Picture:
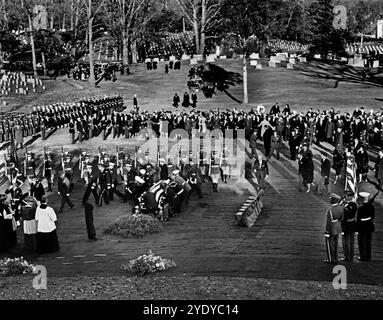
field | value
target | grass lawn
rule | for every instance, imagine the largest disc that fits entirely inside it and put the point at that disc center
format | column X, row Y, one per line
column 315, row 84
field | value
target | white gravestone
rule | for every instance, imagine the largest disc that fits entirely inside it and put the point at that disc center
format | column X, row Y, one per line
column 254, row 56
column 193, row 61
column 253, row 63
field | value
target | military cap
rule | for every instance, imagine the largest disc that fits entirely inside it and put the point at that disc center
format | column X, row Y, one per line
column 364, row 196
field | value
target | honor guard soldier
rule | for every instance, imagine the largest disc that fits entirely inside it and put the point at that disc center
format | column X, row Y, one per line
column 215, row 172
column 136, row 189
column 194, row 180
column 203, row 164
column 333, row 227
column 91, row 179
column 13, row 173
column 103, row 184
column 112, row 181
column 128, row 175
column 48, row 168
column 225, row 165
column 29, row 171
column 72, row 131
column 17, row 198
column 65, row 161
column 365, row 225
column 348, row 226
column 83, row 161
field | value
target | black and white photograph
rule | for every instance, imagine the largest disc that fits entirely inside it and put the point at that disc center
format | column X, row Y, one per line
column 191, row 150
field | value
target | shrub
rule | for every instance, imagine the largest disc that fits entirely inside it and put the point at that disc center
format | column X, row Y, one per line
column 149, row 263
column 134, row 226
column 14, row 267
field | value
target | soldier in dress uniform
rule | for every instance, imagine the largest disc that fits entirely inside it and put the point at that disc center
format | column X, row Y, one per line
column 112, row 181
column 48, row 168
column 13, row 173
column 348, row 226
column 91, row 180
column 203, row 164
column 17, row 198
column 194, row 178
column 128, row 175
column 225, row 167
column 333, row 227
column 29, row 171
column 72, row 131
column 103, row 183
column 365, row 225
column 215, row 171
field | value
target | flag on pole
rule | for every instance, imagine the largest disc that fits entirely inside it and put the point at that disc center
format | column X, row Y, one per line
column 351, row 184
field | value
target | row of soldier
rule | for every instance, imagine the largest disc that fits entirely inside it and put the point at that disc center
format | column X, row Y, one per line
column 105, row 173
column 47, row 118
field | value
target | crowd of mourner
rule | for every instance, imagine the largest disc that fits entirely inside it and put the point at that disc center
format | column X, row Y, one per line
column 164, row 188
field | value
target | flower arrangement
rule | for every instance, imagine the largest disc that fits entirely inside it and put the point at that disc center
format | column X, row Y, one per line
column 134, row 226
column 148, row 263
column 15, row 266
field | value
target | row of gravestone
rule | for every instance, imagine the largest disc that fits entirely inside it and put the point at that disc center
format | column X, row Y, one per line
column 358, row 61
column 291, row 59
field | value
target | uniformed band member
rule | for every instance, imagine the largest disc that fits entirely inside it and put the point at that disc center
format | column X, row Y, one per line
column 348, row 226
column 365, row 225
column 333, row 227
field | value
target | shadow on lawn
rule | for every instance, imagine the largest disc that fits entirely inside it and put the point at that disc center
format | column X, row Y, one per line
column 222, row 79
column 338, row 72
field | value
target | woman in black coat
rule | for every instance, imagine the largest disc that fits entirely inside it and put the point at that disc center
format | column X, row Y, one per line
column 361, row 160
column 307, row 170
column 337, row 164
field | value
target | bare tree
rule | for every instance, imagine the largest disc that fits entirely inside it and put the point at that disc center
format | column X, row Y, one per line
column 92, row 8
column 28, row 7
column 203, row 15
column 133, row 16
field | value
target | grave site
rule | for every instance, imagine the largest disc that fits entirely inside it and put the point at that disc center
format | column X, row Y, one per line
column 268, row 248
column 191, row 150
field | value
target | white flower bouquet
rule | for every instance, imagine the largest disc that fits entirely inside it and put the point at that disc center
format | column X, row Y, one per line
column 148, row 263
column 15, row 266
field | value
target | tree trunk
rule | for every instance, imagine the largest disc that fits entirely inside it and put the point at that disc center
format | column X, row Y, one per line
column 90, row 42
column 125, row 48
column 1, row 55
column 134, row 51
column 64, row 24
column 52, row 21
column 34, row 64
column 196, row 31
column 44, row 63
column 203, row 27
column 245, row 94
column 72, row 15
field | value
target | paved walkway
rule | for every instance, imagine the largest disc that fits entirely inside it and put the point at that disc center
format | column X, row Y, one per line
column 286, row 242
